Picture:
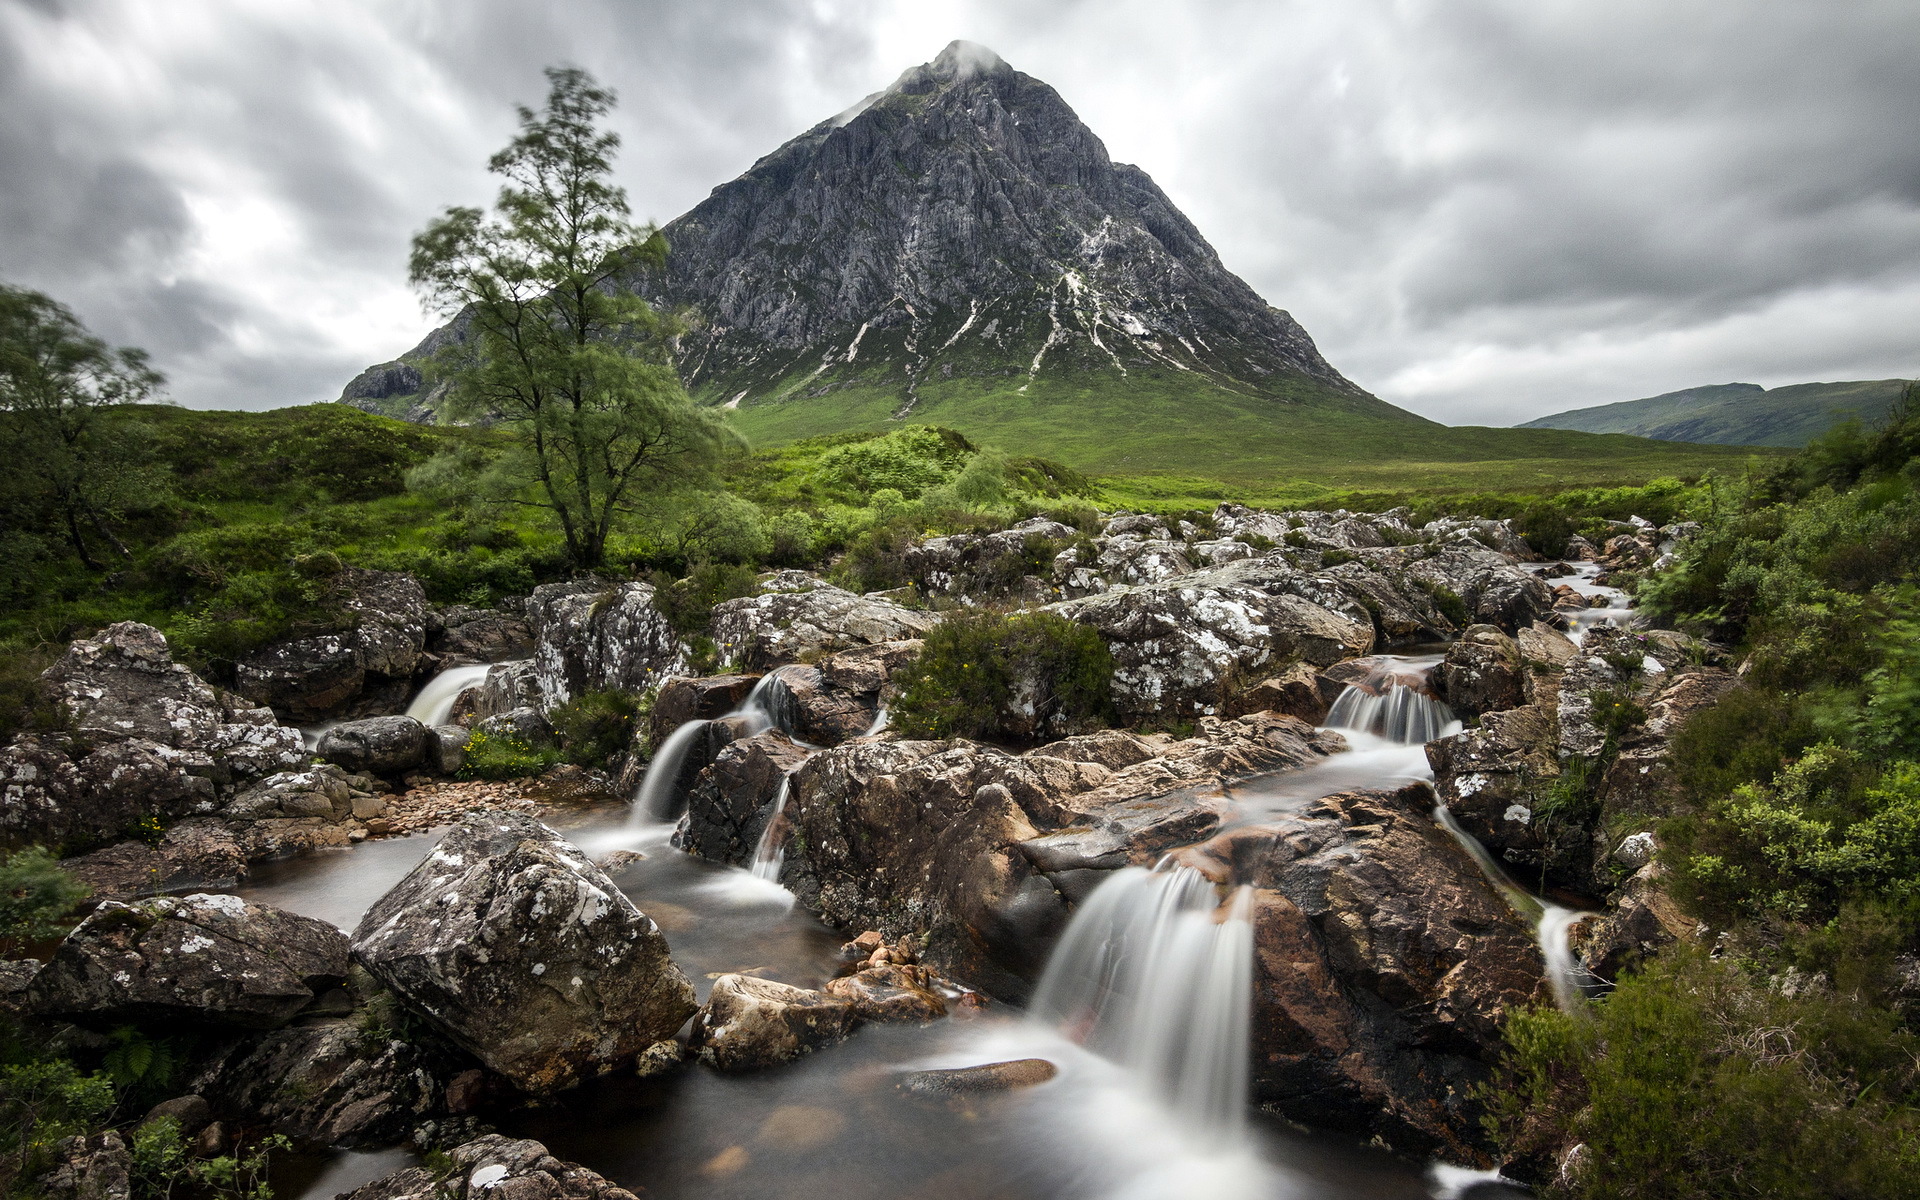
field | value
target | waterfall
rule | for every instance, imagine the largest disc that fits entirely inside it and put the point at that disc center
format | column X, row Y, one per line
column 1391, row 704
column 879, row 723
column 1154, row 975
column 435, row 702
column 771, row 851
column 1552, row 923
column 655, row 802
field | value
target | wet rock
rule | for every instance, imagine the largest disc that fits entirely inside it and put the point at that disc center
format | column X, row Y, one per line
column 319, row 791
column 890, row 992
column 801, row 617
column 150, row 739
column 1481, row 673
column 195, row 854
column 989, row 1077
column 821, row 713
column 380, row 745
column 1492, row 778
column 325, row 1083
column 478, row 635
column 1384, row 963
column 593, row 637
column 1189, row 645
column 90, row 1168
column 699, row 699
column 507, row 686
column 197, row 959
column 1294, row 692
column 446, row 751
column 749, row 1023
column 730, row 800
column 523, row 953
column 370, row 663
column 1641, row 917
column 1493, row 588
column 498, row 1168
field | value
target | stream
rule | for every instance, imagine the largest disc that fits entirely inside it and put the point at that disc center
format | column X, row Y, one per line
column 1143, row 1008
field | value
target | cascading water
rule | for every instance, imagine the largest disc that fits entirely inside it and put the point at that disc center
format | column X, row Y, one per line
column 1152, row 974
column 770, row 705
column 770, row 853
column 435, row 702
column 1392, row 702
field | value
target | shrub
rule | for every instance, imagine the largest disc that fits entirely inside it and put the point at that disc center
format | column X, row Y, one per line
column 23, row 705
column 44, row 1099
column 499, row 756
column 909, row 460
column 594, row 727
column 876, row 561
column 688, row 603
column 1031, row 676
column 36, row 896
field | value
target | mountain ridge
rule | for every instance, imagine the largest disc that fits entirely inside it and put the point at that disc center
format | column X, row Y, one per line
column 1736, row 414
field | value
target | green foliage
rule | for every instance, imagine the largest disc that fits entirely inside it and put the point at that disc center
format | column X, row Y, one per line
column 1694, row 1081
column 43, row 1098
column 24, row 705
column 594, row 727
column 577, row 369
column 983, row 675
column 163, row 1162
column 37, row 897
column 908, row 461
column 500, row 756
column 1447, row 601
column 687, row 603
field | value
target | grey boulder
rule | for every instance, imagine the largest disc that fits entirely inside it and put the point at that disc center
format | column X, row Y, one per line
column 381, row 745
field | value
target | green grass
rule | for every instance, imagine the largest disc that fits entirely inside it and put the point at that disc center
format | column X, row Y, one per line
column 1173, row 440
column 1741, row 414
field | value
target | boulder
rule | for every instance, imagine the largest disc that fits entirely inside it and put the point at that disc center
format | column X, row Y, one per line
column 1641, row 917
column 380, row 745
column 197, row 854
column 749, row 1023
column 1494, row 590
column 730, row 800
column 521, row 724
column 507, row 686
column 1384, row 964
column 1481, row 673
column 199, row 959
column 1187, row 646
column 890, row 992
column 985, row 566
column 697, row 699
column 1492, row 778
column 497, row 1168
column 988, row 1077
column 523, row 953
column 318, row 791
column 462, row 635
column 366, row 666
column 324, row 1083
column 1294, row 692
column 96, row 1167
column 799, row 617
column 446, row 750
column 15, row 976
column 593, row 637
column 149, row 739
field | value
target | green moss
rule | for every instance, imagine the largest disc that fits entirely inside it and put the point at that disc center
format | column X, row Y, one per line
column 983, row 675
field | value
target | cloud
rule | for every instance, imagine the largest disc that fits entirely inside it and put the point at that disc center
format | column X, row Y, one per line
column 1485, row 210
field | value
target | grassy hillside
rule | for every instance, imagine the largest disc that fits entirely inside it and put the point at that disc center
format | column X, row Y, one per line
column 1197, row 437
column 1739, row 414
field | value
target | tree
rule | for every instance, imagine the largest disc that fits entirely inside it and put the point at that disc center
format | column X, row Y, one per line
column 71, row 466
column 552, row 345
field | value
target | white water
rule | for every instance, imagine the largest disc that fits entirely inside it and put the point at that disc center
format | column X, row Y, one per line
column 1392, row 703
column 435, row 702
column 657, row 803
column 1156, row 977
column 879, row 725
column 771, row 852
column 1618, row 609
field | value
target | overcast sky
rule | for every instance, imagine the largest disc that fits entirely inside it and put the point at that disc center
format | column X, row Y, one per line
column 1483, row 210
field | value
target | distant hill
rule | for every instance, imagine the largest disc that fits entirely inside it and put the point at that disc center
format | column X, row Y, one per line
column 1738, row 414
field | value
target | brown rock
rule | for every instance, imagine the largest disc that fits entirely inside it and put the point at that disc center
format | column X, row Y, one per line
column 990, row 1077
column 1295, row 692
column 890, row 992
column 1482, row 673
column 749, row 1023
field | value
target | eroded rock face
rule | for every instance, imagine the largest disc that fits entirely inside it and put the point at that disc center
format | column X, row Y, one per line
column 798, row 616
column 198, row 853
column 1494, row 589
column 1188, row 645
column 497, row 1168
column 324, row 1083
column 592, row 637
column 153, row 739
column 730, row 801
column 524, row 954
column 1493, row 776
column 980, row 850
column 464, row 635
column 697, row 699
column 1384, row 963
column 196, row 959
column 1481, row 673
column 380, row 745
column 369, row 666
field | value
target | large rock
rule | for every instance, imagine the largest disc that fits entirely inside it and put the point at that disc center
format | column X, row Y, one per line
column 95, row 1167
column 985, row 566
column 1187, row 646
column 149, row 739
column 730, row 801
column 367, row 666
column 749, row 1022
column 1493, row 588
column 196, row 959
column 197, row 854
column 1384, row 964
column 979, row 850
column 698, row 699
column 328, row 1082
column 507, row 939
column 594, row 637
column 1481, row 673
column 380, row 745
column 507, row 686
column 797, row 616
column 1494, row 777
column 461, row 635
column 496, row 1168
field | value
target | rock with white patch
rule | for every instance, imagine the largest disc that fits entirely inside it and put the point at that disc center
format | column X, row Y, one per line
column 593, row 637
column 525, row 954
column 497, row 1168
column 366, row 666
column 797, row 616
column 199, row 959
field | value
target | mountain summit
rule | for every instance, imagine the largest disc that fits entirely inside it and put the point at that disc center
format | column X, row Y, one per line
column 958, row 248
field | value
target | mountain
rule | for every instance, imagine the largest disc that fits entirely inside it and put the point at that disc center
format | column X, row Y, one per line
column 1738, row 414
column 960, row 249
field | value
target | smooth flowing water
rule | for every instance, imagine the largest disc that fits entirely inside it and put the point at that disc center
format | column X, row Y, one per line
column 435, row 702
column 1617, row 608
column 770, row 705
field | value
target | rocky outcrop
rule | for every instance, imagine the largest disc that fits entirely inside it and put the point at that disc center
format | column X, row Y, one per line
column 980, row 850
column 731, row 799
column 195, row 959
column 507, row 686
column 1494, row 776
column 1189, row 645
column 367, row 666
column 197, row 854
column 525, row 955
column 497, row 1168
column 797, row 616
column 460, row 635
column 1481, row 673
column 1384, row 963
column 593, row 637
column 988, row 566
column 749, row 1023
column 149, row 739
column 329, row 1082
column 1493, row 589
column 698, row 699
column 98, row 1167
column 379, row 745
